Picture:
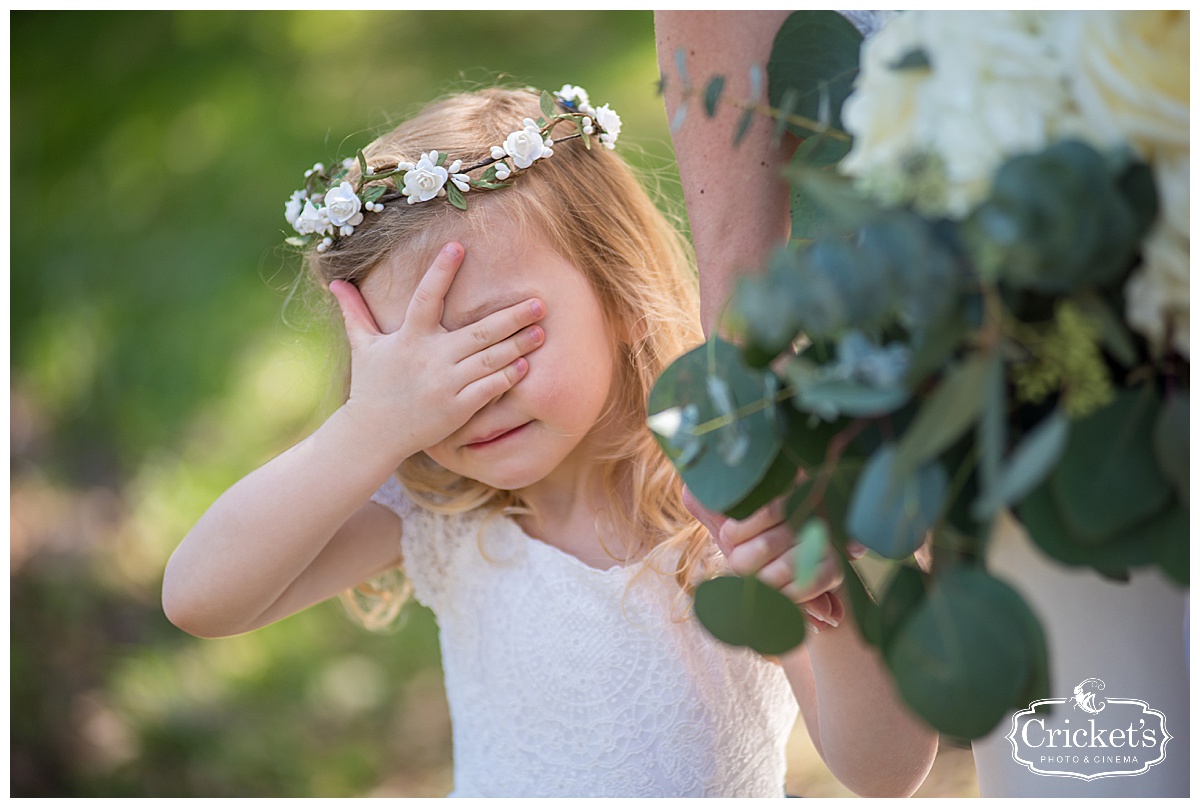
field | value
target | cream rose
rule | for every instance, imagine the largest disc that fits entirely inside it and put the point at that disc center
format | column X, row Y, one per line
column 994, row 87
column 1157, row 296
column 425, row 180
column 343, row 206
column 525, row 146
column 1130, row 75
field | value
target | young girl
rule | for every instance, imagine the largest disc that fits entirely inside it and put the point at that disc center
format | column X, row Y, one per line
column 509, row 300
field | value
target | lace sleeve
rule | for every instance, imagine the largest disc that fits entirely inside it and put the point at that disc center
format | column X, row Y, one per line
column 428, row 544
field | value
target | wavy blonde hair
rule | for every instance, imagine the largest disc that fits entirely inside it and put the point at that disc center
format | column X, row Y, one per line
column 591, row 209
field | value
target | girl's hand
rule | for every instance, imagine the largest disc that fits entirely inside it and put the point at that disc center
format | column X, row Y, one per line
column 417, row 385
column 762, row 545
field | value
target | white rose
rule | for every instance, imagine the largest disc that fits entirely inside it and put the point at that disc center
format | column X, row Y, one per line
column 343, row 206
column 1130, row 74
column 576, row 96
column 995, row 86
column 312, row 220
column 291, row 211
column 424, row 181
column 525, row 146
column 610, row 122
column 1157, row 295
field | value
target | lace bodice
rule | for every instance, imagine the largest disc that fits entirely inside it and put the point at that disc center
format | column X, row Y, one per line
column 566, row 680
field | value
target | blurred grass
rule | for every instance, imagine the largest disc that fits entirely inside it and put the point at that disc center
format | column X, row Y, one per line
column 154, row 362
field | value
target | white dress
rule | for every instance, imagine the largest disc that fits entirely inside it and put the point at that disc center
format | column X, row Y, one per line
column 564, row 680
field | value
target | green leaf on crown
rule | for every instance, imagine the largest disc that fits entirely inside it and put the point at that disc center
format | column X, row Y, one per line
column 739, row 437
column 547, row 103
column 455, row 196
column 964, row 656
column 747, row 612
column 373, row 193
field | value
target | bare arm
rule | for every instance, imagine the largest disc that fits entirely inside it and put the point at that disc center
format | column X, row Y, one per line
column 734, row 224
column 301, row 528
column 866, row 735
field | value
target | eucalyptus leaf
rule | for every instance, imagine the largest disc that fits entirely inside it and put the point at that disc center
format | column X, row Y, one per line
column 838, row 397
column 1172, row 444
column 718, row 484
column 993, row 428
column 1109, row 477
column 904, row 593
column 890, row 513
column 746, row 612
column 1031, row 462
column 862, row 604
column 814, row 50
column 743, row 126
column 1169, row 537
column 963, row 656
column 812, row 542
column 947, row 413
column 712, row 94
column 1043, row 520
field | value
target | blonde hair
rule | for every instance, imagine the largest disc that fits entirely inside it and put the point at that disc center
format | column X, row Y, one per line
column 590, row 208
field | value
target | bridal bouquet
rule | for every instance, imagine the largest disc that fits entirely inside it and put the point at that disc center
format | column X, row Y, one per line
column 983, row 314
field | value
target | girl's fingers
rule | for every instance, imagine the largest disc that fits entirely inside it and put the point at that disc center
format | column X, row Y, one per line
column 479, row 392
column 485, row 333
column 360, row 324
column 710, row 519
column 734, row 532
column 757, row 552
column 828, row 577
column 425, row 308
column 502, row 354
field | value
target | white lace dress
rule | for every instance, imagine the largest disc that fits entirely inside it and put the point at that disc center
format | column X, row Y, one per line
column 568, row 681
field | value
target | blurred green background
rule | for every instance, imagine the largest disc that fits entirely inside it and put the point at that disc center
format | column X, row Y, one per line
column 155, row 360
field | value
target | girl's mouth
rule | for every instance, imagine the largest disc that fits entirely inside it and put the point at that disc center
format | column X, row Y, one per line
column 497, row 438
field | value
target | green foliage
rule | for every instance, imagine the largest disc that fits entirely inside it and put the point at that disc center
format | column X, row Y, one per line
column 940, row 371
column 747, row 612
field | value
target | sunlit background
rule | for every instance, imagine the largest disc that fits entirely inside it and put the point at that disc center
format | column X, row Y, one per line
column 156, row 359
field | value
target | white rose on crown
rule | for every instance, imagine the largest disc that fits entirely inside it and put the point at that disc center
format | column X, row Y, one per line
column 576, row 96
column 526, row 145
column 342, row 206
column 312, row 220
column 291, row 210
column 425, row 180
column 610, row 122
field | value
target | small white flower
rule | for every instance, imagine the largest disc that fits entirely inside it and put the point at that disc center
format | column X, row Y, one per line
column 349, row 162
column 454, row 167
column 528, row 122
column 497, row 153
column 347, row 230
column 525, row 146
column 587, row 121
column 291, row 210
column 425, row 180
column 312, row 219
column 610, row 122
column 667, row 422
column 405, row 166
column 549, row 143
column 589, row 130
column 461, row 181
column 574, row 96
column 343, row 206
column 502, row 171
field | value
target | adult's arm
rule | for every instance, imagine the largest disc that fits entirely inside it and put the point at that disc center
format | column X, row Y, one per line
column 737, row 202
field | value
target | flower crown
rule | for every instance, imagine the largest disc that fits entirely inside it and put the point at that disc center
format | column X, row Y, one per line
column 330, row 206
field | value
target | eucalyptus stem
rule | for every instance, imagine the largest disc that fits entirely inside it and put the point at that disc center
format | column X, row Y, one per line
column 760, row 108
column 758, row 406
